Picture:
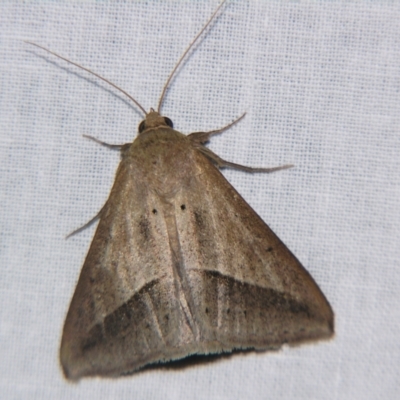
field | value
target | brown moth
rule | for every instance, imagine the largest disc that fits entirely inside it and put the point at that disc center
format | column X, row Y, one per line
column 180, row 264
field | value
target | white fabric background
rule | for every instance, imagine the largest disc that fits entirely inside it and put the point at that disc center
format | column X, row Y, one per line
column 320, row 82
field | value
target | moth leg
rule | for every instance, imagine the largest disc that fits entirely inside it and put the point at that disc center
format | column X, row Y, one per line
column 121, row 147
column 110, row 146
column 90, row 222
column 204, row 137
column 221, row 163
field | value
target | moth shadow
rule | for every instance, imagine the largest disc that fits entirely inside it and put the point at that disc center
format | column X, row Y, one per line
column 195, row 360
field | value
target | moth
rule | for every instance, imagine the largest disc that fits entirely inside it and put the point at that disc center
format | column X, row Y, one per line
column 180, row 264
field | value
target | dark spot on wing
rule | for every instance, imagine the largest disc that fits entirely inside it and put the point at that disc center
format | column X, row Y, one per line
column 96, row 337
column 144, row 228
column 247, row 299
column 183, row 207
column 154, row 211
column 199, row 219
column 122, row 318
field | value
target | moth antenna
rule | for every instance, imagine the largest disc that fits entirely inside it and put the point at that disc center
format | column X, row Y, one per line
column 91, row 72
column 184, row 55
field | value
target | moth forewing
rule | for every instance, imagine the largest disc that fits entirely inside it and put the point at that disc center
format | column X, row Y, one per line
column 180, row 264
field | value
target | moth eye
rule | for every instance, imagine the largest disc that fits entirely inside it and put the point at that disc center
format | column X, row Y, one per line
column 142, row 126
column 168, row 122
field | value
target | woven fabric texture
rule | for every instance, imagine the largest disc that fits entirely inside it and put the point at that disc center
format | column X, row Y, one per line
column 320, row 82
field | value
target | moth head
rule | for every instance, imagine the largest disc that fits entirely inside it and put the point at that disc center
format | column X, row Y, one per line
column 154, row 120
